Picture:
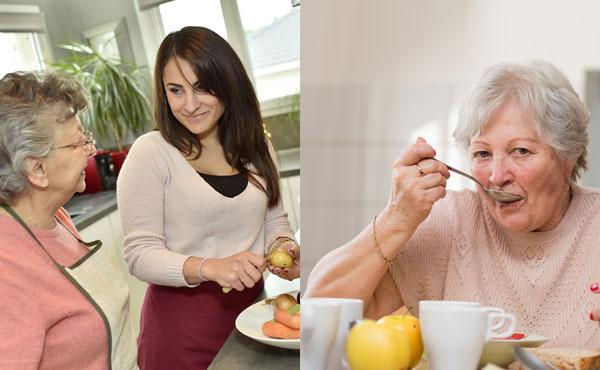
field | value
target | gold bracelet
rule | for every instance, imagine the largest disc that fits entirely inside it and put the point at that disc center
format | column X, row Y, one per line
column 387, row 260
column 278, row 241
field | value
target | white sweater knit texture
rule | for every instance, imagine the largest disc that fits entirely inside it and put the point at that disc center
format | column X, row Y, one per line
column 169, row 213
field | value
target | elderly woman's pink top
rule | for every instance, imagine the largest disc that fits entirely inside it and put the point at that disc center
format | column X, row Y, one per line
column 460, row 252
column 45, row 321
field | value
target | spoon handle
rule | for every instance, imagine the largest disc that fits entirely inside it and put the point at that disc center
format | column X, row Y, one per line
column 460, row 173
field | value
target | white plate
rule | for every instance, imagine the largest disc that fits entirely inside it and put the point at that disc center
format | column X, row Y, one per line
column 499, row 351
column 250, row 322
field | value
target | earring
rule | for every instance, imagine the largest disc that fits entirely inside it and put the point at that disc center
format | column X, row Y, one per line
column 566, row 188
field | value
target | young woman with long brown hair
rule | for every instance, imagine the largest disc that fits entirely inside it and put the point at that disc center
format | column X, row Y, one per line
column 200, row 203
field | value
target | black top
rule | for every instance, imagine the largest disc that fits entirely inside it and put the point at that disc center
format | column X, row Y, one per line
column 229, row 186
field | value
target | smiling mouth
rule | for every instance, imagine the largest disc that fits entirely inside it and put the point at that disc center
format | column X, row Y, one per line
column 196, row 115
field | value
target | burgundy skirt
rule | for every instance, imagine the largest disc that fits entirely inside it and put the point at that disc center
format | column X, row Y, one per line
column 184, row 328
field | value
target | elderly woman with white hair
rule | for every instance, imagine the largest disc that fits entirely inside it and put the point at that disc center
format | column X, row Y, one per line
column 64, row 303
column 525, row 131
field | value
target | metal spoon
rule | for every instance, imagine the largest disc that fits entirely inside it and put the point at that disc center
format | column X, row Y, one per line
column 497, row 195
column 530, row 361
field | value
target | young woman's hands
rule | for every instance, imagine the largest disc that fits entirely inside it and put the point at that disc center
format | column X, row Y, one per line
column 288, row 273
column 239, row 271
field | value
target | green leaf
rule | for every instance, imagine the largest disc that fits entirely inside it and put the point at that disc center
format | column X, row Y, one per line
column 118, row 104
column 294, row 309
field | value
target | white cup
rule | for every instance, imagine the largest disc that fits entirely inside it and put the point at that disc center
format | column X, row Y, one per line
column 318, row 330
column 454, row 333
column 351, row 310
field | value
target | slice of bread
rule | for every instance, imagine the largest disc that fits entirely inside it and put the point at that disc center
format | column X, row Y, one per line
column 569, row 358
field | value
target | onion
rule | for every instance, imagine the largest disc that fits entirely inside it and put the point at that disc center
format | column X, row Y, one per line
column 283, row 301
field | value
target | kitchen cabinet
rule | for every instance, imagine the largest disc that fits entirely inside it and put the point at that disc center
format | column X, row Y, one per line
column 108, row 229
column 290, row 193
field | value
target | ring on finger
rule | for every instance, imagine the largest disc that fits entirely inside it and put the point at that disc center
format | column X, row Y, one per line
column 420, row 170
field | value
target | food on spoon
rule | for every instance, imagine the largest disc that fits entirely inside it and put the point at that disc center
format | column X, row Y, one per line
column 412, row 327
column 568, row 358
column 280, row 258
column 287, row 319
column 283, row 301
column 377, row 346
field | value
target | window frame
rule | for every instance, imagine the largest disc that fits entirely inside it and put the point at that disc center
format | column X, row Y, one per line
column 236, row 36
column 29, row 19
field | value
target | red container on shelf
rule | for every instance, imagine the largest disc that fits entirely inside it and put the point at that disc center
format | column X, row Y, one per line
column 118, row 158
column 92, row 180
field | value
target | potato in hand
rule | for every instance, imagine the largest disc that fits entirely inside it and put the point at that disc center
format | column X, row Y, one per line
column 280, row 258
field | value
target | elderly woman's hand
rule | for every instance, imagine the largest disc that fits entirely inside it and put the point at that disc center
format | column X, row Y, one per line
column 417, row 183
column 288, row 273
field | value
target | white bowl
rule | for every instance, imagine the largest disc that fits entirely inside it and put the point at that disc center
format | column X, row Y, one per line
column 499, row 351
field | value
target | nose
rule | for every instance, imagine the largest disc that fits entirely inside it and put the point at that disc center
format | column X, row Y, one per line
column 192, row 102
column 91, row 151
column 501, row 173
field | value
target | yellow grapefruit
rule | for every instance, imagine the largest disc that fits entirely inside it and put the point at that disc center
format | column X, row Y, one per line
column 412, row 327
column 374, row 346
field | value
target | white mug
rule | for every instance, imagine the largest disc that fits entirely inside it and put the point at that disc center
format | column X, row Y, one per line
column 454, row 333
column 351, row 310
column 318, row 329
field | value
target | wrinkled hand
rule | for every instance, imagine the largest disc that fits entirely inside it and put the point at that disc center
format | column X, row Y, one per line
column 288, row 273
column 417, row 183
column 242, row 270
column 595, row 314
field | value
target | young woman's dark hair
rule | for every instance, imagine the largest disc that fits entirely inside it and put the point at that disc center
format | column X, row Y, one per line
column 221, row 73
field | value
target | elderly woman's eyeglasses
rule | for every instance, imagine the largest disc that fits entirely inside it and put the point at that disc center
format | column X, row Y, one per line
column 88, row 141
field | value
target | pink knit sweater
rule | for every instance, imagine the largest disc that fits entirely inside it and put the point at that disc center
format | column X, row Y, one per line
column 170, row 213
column 45, row 321
column 460, row 252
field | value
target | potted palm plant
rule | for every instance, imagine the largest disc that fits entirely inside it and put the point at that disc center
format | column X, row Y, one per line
column 119, row 108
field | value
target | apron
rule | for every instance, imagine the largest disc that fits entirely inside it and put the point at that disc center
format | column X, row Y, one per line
column 184, row 328
column 103, row 283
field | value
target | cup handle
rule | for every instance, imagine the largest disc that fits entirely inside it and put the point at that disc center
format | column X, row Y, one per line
column 500, row 323
column 503, row 317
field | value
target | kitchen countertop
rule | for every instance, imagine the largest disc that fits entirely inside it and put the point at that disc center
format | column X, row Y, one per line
column 85, row 209
column 243, row 353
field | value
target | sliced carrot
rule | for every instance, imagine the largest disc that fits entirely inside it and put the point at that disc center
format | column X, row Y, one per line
column 287, row 319
column 275, row 329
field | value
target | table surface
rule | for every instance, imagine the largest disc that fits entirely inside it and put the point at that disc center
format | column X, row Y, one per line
column 241, row 352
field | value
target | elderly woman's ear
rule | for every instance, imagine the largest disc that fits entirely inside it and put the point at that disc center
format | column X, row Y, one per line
column 35, row 170
column 569, row 165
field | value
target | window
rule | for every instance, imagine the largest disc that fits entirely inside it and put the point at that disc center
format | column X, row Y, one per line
column 272, row 29
column 111, row 40
column 206, row 13
column 23, row 40
column 22, row 52
column 267, row 40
